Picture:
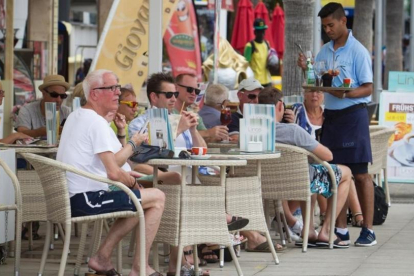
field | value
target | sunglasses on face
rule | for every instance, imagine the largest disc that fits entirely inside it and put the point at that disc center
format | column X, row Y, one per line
column 190, row 89
column 251, row 96
column 54, row 94
column 129, row 103
column 113, row 88
column 169, row 95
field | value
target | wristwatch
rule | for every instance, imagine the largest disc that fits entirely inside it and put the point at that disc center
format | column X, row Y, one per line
column 344, row 95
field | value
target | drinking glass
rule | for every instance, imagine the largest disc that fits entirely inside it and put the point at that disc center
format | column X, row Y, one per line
column 320, row 69
column 225, row 117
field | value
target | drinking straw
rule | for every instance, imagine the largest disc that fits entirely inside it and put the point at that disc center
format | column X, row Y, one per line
column 182, row 108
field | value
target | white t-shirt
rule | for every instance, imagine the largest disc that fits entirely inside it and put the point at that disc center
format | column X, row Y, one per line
column 85, row 135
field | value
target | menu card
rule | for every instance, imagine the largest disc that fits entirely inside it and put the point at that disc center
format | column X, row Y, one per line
column 257, row 128
column 51, row 123
column 159, row 129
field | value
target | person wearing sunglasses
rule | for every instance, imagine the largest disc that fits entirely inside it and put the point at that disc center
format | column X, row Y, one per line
column 14, row 136
column 31, row 119
column 249, row 90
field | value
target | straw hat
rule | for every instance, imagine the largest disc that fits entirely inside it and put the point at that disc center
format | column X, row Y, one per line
column 54, row 80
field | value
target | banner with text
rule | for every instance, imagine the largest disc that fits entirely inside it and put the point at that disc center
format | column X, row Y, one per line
column 123, row 45
column 401, row 81
column 397, row 110
column 181, row 41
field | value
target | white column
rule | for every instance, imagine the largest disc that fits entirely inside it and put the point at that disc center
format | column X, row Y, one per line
column 217, row 13
column 155, row 37
column 378, row 51
column 316, row 28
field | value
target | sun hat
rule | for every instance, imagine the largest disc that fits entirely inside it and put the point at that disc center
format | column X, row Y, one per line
column 259, row 24
column 250, row 84
column 54, row 80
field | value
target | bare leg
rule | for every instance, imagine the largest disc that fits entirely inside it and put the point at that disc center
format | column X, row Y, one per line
column 323, row 203
column 365, row 189
column 312, row 233
column 354, row 203
column 255, row 239
column 153, row 203
column 342, row 197
column 290, row 219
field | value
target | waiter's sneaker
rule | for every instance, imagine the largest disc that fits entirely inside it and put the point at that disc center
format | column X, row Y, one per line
column 366, row 238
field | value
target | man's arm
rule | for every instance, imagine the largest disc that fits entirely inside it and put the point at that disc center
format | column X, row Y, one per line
column 114, row 172
column 198, row 141
column 323, row 153
column 32, row 132
column 217, row 133
column 122, row 156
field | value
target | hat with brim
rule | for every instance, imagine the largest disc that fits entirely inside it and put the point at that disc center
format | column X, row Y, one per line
column 259, row 24
column 53, row 80
column 250, row 84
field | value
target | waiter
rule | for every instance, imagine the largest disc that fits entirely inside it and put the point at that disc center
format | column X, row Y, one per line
column 345, row 130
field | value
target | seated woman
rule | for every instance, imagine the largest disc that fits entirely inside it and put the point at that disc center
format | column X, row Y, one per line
column 309, row 116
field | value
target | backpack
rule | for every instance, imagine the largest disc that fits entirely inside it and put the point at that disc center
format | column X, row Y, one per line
column 380, row 205
column 272, row 63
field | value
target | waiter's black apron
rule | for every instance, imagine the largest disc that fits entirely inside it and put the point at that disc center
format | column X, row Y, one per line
column 346, row 133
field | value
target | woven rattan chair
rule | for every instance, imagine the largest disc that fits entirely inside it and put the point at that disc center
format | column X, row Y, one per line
column 52, row 175
column 18, row 208
column 379, row 145
column 287, row 178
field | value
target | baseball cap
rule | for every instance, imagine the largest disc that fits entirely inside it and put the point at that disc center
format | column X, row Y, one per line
column 259, row 24
column 250, row 84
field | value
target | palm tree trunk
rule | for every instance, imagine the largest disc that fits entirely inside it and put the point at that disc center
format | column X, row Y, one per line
column 362, row 26
column 394, row 30
column 298, row 29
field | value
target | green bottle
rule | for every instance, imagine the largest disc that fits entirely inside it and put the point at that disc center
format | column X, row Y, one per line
column 310, row 73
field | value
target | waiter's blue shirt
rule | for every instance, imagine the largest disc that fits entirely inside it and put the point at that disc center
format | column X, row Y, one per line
column 354, row 62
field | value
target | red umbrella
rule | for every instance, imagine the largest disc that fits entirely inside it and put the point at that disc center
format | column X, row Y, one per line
column 261, row 12
column 243, row 26
column 278, row 27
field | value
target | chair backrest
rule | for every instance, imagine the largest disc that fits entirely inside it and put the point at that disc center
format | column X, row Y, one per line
column 286, row 177
column 379, row 145
column 34, row 203
column 52, row 176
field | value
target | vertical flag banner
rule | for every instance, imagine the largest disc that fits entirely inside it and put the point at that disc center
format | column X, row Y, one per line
column 182, row 42
column 123, row 45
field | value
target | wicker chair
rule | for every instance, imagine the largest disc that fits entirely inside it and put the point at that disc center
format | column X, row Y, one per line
column 379, row 145
column 287, row 178
column 52, row 175
column 18, row 208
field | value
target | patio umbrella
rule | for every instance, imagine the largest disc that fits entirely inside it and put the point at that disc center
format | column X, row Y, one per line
column 243, row 26
column 278, row 27
column 261, row 12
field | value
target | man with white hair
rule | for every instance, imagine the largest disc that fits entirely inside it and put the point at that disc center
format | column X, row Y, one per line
column 216, row 96
column 89, row 144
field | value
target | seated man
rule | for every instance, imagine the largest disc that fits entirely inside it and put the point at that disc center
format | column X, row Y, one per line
column 187, row 86
column 249, row 90
column 90, row 145
column 14, row 136
column 216, row 96
column 295, row 135
column 31, row 119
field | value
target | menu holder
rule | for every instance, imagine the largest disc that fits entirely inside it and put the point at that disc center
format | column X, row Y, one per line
column 159, row 129
column 51, row 123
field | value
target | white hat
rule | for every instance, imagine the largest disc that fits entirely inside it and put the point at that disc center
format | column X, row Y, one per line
column 250, row 84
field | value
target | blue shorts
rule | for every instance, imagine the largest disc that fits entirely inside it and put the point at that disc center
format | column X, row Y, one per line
column 320, row 180
column 101, row 202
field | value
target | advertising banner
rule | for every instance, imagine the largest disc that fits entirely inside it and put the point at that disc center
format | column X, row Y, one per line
column 225, row 5
column 401, row 81
column 397, row 110
column 181, row 41
column 123, row 45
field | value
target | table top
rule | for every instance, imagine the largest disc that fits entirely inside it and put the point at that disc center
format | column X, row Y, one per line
column 30, row 148
column 212, row 161
column 263, row 155
column 223, row 145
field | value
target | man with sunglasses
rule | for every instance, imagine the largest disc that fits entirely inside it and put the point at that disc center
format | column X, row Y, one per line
column 127, row 109
column 249, row 90
column 188, row 88
column 31, row 119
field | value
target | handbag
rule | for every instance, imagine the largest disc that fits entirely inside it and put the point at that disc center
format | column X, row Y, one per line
column 145, row 152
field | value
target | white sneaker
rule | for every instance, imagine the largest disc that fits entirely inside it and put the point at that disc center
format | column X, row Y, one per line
column 297, row 228
column 292, row 234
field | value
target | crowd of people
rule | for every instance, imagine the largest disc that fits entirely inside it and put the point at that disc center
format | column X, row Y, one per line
column 100, row 137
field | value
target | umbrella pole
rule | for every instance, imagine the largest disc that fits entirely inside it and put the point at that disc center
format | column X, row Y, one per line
column 217, row 11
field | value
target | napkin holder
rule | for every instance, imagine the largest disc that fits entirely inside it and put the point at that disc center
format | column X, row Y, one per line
column 253, row 146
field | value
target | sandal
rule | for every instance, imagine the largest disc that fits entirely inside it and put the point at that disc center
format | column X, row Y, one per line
column 213, row 259
column 235, row 240
column 190, row 252
column 237, row 223
column 355, row 222
column 111, row 272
